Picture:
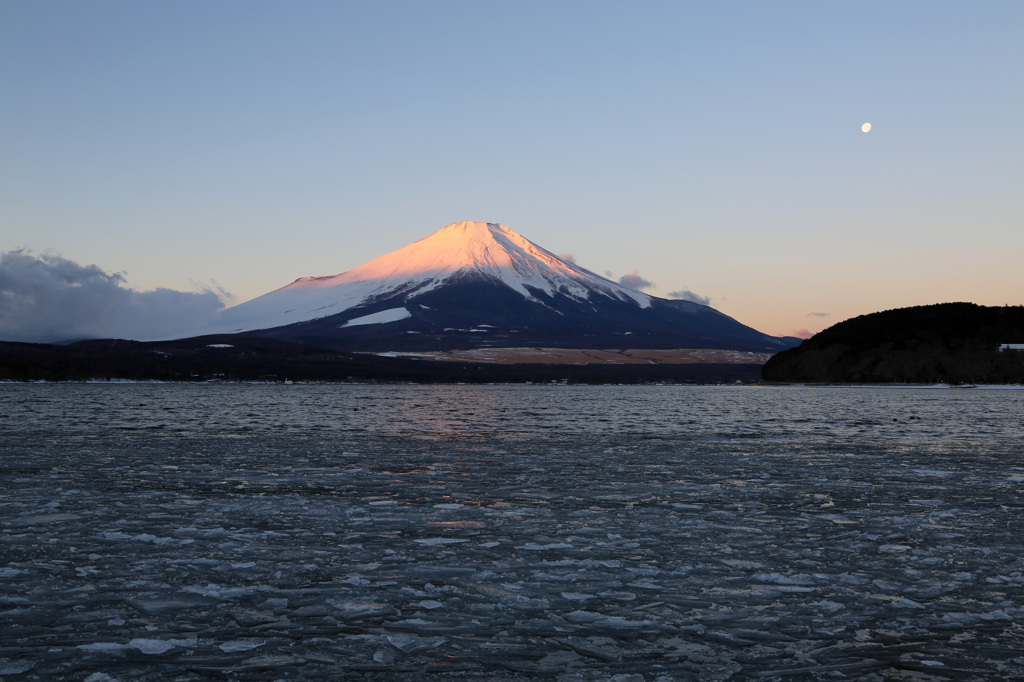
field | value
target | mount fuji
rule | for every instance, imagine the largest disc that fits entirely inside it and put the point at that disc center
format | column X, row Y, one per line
column 478, row 285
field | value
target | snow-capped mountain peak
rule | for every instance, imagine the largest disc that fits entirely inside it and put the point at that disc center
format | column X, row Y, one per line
column 488, row 249
column 480, row 285
column 459, row 251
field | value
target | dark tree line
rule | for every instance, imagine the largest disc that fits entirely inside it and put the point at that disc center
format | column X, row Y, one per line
column 956, row 343
column 241, row 358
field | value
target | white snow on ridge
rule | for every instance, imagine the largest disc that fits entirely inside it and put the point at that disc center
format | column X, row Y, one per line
column 488, row 249
column 392, row 315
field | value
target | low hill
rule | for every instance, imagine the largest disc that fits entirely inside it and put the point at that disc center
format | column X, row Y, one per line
column 954, row 343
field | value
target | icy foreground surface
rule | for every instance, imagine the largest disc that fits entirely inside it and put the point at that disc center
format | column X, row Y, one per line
column 491, row 533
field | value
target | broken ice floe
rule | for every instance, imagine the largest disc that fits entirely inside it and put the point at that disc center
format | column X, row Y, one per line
column 337, row 548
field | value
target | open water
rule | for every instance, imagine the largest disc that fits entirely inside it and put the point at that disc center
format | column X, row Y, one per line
column 257, row 532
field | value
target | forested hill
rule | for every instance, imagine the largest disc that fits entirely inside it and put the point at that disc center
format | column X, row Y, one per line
column 953, row 343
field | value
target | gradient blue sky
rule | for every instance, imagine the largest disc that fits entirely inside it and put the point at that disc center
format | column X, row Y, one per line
column 711, row 147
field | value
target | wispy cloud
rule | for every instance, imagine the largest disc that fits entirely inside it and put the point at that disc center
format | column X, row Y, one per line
column 687, row 295
column 635, row 281
column 818, row 314
column 48, row 298
column 567, row 257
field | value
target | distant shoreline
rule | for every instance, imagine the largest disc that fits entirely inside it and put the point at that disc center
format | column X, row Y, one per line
column 250, row 359
column 372, row 382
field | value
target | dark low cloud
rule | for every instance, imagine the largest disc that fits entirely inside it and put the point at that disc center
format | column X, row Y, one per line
column 687, row 295
column 634, row 281
column 48, row 299
column 818, row 314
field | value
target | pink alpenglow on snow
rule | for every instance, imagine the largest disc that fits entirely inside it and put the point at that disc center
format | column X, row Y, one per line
column 489, row 249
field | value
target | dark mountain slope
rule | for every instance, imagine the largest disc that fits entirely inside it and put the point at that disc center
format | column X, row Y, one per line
column 475, row 312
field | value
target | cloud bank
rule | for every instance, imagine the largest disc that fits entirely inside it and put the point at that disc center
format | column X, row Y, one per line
column 48, row 299
column 687, row 295
column 635, row 281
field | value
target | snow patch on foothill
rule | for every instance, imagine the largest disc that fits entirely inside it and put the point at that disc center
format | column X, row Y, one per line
column 384, row 316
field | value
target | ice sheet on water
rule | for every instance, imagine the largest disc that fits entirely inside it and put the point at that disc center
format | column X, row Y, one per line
column 158, row 646
column 9, row 667
column 220, row 591
column 583, row 616
column 116, row 535
column 352, row 609
column 780, row 579
column 409, row 643
column 577, row 596
column 895, row 549
column 533, row 546
column 40, row 519
column 104, row 647
column 668, row 547
column 241, row 645
column 999, row 614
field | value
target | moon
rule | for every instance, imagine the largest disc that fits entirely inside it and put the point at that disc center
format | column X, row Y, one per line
column 866, row 128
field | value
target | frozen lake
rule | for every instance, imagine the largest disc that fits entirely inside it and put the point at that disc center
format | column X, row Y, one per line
column 255, row 532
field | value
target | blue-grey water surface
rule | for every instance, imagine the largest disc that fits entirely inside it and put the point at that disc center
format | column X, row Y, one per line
column 231, row 531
